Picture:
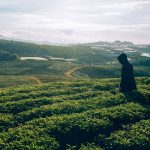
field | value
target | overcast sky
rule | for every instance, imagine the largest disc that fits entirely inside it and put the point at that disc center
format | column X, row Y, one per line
column 72, row 21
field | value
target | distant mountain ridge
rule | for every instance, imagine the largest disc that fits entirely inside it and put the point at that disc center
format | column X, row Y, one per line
column 4, row 37
column 117, row 42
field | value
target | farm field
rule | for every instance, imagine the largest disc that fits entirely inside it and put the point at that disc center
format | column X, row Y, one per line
column 93, row 60
column 107, row 71
column 79, row 114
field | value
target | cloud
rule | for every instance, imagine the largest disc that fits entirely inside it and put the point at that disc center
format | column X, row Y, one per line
column 67, row 32
column 22, row 33
column 75, row 20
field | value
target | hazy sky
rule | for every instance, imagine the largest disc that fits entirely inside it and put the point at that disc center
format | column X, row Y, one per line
column 69, row 21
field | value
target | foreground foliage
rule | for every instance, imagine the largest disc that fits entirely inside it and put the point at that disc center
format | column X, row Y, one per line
column 85, row 115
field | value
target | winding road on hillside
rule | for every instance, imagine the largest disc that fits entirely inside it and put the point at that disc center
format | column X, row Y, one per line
column 68, row 73
column 38, row 81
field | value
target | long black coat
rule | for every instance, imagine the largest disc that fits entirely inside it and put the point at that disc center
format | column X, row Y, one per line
column 127, row 83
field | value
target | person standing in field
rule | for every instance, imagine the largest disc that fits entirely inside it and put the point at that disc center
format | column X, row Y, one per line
column 127, row 83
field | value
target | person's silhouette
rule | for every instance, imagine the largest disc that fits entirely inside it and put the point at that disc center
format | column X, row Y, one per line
column 127, row 83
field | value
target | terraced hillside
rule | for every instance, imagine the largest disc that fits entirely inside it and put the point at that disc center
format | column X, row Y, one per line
column 106, row 71
column 85, row 115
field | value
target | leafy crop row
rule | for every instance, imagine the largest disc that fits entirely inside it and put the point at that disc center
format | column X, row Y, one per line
column 81, row 114
column 134, row 137
column 74, row 128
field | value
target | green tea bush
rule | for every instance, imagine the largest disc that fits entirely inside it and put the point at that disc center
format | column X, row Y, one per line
column 135, row 137
column 79, row 114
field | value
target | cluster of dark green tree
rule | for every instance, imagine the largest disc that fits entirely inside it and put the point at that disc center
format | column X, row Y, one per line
column 7, row 56
column 37, row 50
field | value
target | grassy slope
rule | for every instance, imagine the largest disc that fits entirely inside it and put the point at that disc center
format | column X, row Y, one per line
column 85, row 114
column 107, row 71
column 31, row 49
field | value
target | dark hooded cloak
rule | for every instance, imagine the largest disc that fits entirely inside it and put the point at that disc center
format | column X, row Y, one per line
column 127, row 83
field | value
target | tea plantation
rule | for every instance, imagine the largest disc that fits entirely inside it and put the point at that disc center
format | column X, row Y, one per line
column 81, row 114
